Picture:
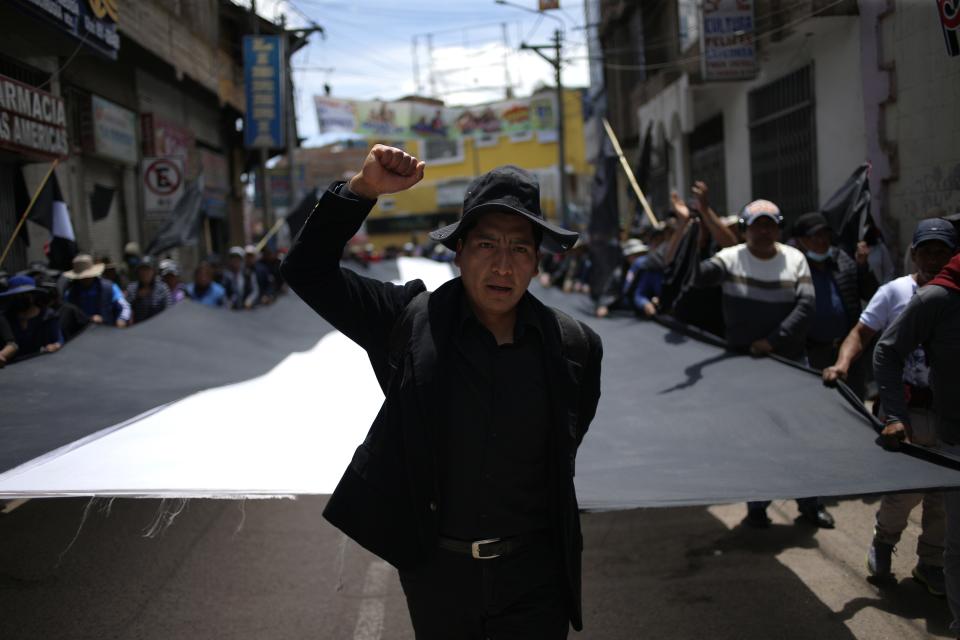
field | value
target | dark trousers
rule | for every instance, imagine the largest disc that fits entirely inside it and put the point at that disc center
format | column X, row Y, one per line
column 514, row 597
column 804, row 504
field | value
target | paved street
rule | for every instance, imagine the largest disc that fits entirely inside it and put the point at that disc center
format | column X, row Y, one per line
column 275, row 569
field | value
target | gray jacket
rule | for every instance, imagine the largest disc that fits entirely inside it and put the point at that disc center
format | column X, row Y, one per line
column 932, row 319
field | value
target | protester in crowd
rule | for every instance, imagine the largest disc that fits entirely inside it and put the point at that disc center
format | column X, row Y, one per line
column 99, row 299
column 878, row 258
column 840, row 283
column 931, row 319
column 240, row 282
column 128, row 267
column 618, row 292
column 934, row 242
column 147, row 294
column 26, row 327
column 701, row 306
column 48, row 296
column 768, row 304
column 204, row 289
column 110, row 271
column 170, row 274
column 261, row 272
column 643, row 284
column 271, row 260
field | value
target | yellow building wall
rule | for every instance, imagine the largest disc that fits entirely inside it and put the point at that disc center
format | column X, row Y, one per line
column 478, row 159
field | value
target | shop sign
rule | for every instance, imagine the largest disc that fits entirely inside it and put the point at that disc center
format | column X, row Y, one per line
column 727, row 39
column 93, row 22
column 32, row 122
column 114, row 131
column 263, row 81
column 216, row 183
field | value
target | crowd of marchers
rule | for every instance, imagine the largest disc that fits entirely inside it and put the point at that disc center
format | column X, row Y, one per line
column 794, row 292
column 42, row 309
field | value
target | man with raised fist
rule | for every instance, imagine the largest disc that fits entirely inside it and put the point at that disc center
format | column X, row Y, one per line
column 465, row 479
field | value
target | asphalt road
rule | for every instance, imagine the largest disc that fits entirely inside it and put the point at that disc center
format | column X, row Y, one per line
column 275, row 569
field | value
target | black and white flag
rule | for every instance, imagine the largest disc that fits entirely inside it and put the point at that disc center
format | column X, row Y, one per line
column 52, row 213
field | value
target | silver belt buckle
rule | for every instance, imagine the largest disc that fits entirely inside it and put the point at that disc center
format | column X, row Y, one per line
column 475, row 549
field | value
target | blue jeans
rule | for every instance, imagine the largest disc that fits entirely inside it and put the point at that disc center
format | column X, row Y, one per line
column 804, row 504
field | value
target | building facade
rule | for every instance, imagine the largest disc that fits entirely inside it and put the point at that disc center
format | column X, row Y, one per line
column 153, row 100
column 783, row 101
column 452, row 164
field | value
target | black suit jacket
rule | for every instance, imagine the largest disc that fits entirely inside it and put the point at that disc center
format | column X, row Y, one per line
column 387, row 498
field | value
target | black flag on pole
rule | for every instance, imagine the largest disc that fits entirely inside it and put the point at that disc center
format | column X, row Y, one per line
column 51, row 212
column 848, row 210
column 184, row 225
column 604, row 225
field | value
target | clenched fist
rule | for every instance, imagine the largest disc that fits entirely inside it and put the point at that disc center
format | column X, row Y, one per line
column 386, row 170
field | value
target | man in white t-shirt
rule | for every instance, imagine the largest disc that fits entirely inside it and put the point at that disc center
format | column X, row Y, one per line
column 934, row 241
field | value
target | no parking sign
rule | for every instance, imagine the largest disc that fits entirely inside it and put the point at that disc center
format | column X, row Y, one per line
column 163, row 180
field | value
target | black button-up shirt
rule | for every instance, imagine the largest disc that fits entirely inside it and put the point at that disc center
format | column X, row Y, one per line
column 494, row 444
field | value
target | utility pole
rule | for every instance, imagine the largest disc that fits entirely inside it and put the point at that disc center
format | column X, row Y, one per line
column 556, row 62
column 293, row 41
column 433, row 79
column 416, row 69
column 508, row 92
column 267, row 211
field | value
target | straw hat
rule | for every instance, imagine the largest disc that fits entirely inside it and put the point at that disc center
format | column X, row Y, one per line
column 83, row 267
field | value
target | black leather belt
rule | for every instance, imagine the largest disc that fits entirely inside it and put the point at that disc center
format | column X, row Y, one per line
column 492, row 547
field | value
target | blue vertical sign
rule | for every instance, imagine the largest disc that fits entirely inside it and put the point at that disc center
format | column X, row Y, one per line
column 263, row 80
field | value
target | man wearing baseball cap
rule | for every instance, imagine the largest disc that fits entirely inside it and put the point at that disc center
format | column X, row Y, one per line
column 934, row 242
column 768, row 304
column 931, row 319
column 465, row 480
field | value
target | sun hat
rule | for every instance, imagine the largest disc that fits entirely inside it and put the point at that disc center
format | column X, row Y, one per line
column 507, row 189
column 18, row 285
column 83, row 267
column 634, row 246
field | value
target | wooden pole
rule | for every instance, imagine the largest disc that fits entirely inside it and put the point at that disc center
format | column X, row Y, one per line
column 630, row 177
column 273, row 231
column 33, row 201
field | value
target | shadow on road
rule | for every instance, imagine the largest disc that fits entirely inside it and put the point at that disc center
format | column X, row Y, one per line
column 680, row 573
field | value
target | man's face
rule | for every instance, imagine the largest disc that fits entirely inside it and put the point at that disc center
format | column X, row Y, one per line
column 234, row 263
column 203, row 277
column 818, row 242
column 145, row 274
column 250, row 259
column 763, row 233
column 931, row 257
column 497, row 260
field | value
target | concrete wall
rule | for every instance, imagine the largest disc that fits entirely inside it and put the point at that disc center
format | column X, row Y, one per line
column 923, row 120
column 834, row 50
column 832, row 44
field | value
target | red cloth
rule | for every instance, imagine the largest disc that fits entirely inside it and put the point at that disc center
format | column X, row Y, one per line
column 949, row 278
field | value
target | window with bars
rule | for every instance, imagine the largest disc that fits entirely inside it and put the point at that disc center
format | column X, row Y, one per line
column 783, row 144
column 707, row 161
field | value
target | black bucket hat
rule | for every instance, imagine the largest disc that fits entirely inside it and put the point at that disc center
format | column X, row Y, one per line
column 505, row 189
